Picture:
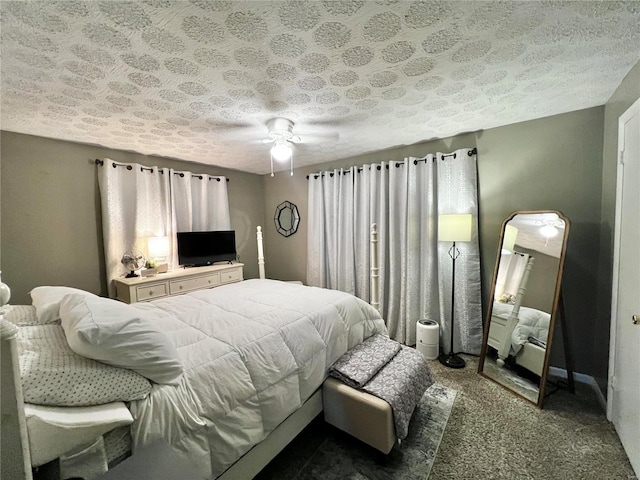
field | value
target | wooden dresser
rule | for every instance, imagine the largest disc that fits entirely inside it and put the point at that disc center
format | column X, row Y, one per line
column 176, row 282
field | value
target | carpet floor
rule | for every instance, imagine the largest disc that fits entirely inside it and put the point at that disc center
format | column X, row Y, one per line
column 490, row 434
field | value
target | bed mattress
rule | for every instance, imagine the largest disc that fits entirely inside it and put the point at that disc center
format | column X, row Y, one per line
column 54, row 431
column 253, row 352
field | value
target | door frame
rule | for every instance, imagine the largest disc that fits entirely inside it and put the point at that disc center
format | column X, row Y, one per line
column 633, row 109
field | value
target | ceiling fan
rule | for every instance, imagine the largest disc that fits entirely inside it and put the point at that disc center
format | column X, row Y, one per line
column 280, row 134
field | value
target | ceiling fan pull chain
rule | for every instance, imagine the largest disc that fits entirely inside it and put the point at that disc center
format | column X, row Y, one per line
column 271, row 164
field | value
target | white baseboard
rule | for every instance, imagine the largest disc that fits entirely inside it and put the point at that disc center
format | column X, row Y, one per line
column 582, row 378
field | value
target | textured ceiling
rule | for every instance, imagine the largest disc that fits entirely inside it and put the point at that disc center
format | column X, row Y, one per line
column 529, row 234
column 197, row 80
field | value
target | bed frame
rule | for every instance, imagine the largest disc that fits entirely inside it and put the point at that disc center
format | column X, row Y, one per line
column 500, row 331
column 15, row 456
column 532, row 357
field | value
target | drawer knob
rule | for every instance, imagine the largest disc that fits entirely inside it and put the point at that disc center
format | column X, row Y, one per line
column 150, row 292
column 180, row 287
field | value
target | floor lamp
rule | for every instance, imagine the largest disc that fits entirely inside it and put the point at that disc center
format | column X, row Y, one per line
column 453, row 228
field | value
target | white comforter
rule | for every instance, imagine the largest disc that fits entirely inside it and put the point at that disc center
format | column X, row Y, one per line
column 531, row 323
column 253, row 352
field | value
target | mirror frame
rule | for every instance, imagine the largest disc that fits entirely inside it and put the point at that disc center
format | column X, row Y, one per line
column 557, row 298
column 295, row 218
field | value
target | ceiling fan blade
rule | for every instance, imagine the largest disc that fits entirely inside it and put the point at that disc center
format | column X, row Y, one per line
column 319, row 137
column 222, row 124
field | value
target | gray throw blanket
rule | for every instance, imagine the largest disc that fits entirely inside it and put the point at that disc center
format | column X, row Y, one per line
column 395, row 373
column 356, row 367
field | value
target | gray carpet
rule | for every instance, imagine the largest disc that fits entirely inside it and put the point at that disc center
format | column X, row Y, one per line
column 492, row 434
column 323, row 452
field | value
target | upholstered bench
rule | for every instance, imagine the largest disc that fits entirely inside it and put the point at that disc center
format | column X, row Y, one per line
column 366, row 417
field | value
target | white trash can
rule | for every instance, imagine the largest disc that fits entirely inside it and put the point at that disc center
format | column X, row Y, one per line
column 428, row 338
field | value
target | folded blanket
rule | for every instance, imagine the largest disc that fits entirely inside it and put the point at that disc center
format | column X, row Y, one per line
column 356, row 367
column 401, row 383
column 395, row 373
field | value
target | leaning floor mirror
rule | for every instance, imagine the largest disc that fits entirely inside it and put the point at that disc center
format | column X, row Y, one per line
column 524, row 302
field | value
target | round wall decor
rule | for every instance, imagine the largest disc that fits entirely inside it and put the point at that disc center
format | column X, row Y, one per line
column 287, row 219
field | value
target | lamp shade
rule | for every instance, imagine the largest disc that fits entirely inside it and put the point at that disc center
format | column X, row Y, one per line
column 455, row 227
column 158, row 247
column 509, row 239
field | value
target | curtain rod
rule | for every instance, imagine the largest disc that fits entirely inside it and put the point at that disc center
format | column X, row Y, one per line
column 471, row 152
column 193, row 175
column 150, row 169
column 398, row 164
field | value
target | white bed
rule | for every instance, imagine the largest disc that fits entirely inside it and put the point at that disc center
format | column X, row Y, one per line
column 511, row 335
column 254, row 356
column 253, row 353
column 513, row 326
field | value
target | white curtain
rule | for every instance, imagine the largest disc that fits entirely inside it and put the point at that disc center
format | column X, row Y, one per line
column 135, row 205
column 457, row 192
column 140, row 202
column 510, row 273
column 404, row 199
column 199, row 203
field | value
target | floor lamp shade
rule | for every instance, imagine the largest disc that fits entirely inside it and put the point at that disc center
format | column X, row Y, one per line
column 454, row 228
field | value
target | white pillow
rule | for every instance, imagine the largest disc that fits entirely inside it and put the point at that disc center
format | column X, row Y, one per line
column 47, row 301
column 117, row 334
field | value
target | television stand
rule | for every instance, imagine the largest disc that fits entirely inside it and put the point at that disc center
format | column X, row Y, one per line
column 177, row 282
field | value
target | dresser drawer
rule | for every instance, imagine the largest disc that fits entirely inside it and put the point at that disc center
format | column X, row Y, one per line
column 195, row 283
column 176, row 282
column 228, row 276
column 148, row 292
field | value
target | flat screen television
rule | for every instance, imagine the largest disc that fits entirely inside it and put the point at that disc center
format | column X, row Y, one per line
column 205, row 248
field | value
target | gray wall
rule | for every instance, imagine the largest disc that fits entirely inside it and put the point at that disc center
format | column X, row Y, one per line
column 551, row 163
column 50, row 210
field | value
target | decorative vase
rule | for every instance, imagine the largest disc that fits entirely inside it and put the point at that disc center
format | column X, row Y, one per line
column 5, row 293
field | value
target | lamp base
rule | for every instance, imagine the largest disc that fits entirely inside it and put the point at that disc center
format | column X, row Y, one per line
column 451, row 360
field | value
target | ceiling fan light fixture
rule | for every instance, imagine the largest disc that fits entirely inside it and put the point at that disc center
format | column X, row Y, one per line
column 281, row 151
column 548, row 231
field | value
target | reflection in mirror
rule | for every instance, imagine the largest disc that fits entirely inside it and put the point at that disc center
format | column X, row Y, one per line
column 525, row 292
column 285, row 220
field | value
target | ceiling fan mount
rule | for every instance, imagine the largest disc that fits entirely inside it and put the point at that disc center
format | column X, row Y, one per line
column 281, row 130
column 280, row 135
